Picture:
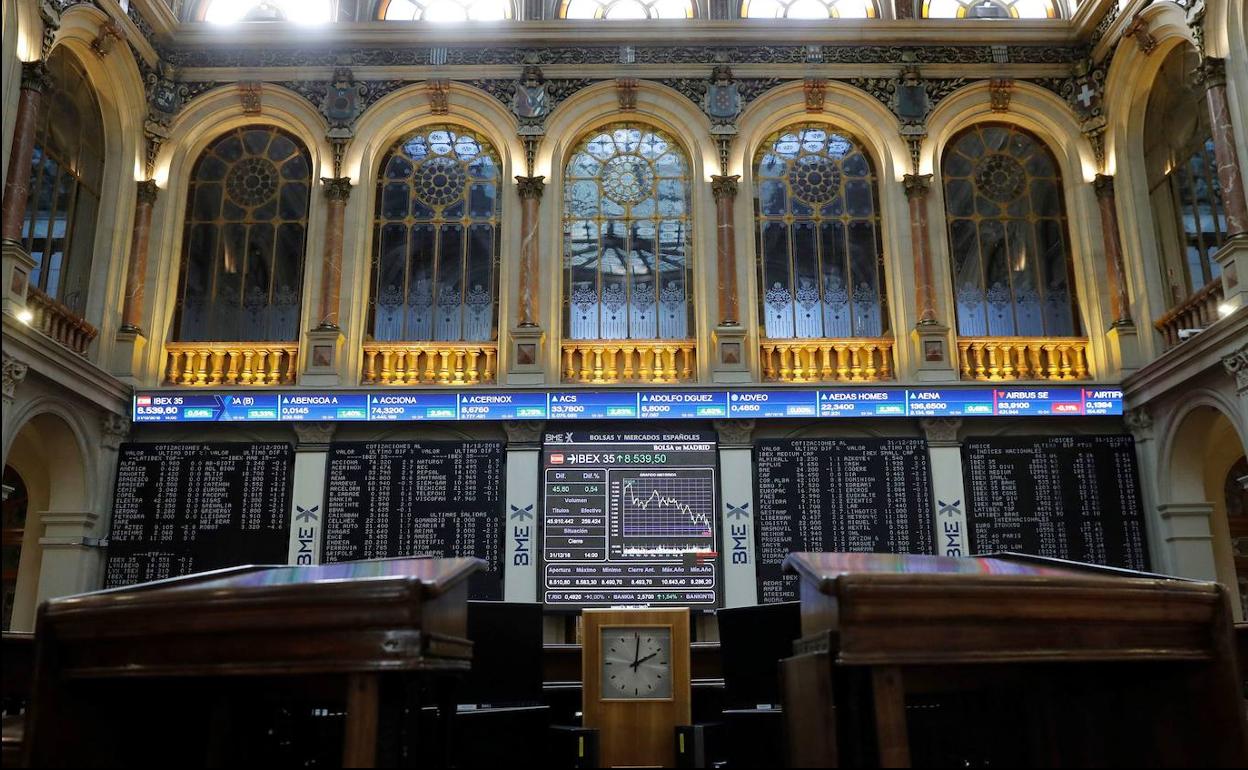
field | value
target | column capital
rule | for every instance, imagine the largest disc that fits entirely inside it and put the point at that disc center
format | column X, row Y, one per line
column 1237, row 366
column 1139, row 423
column 724, row 186
column 14, row 372
column 734, row 433
column 313, row 436
column 523, row 433
column 1103, row 184
column 115, row 429
column 35, row 76
column 917, row 185
column 337, row 188
column 941, row 431
column 146, row 192
column 1212, row 72
column 530, row 187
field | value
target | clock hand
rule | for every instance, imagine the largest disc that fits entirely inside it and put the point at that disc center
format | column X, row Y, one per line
column 636, row 651
column 643, row 660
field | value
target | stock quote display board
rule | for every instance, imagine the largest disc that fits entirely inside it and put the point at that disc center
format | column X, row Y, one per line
column 860, row 495
column 629, row 518
column 427, row 498
column 1067, row 497
column 183, row 508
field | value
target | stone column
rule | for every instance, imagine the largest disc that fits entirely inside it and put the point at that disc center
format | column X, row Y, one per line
column 530, row 189
column 521, row 582
column 307, row 499
column 1119, row 305
column 1230, row 175
column 736, row 481
column 136, row 273
column 944, row 450
column 337, row 192
column 724, row 188
column 917, row 188
column 35, row 81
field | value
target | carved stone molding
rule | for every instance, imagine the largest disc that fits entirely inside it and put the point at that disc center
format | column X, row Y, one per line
column 115, row 430
column 917, row 185
column 312, row 434
column 724, row 186
column 35, row 76
column 110, row 32
column 146, row 192
column 523, row 431
column 1139, row 422
column 337, row 188
column 736, row 433
column 250, row 95
column 530, row 186
column 626, row 93
column 14, row 371
column 439, row 96
column 1138, row 29
column 1237, row 365
column 1212, row 72
column 1103, row 184
column 816, row 92
column 999, row 92
column 941, row 431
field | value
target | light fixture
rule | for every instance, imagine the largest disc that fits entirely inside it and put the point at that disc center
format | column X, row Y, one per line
column 25, row 316
column 1225, row 309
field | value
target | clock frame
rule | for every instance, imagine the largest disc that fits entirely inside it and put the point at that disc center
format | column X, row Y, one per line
column 638, row 730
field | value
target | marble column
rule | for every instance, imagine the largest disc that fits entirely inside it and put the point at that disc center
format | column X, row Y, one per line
column 1230, row 175
column 530, row 189
column 724, row 188
column 1119, row 304
column 337, row 192
column 917, row 188
column 136, row 272
column 35, row 81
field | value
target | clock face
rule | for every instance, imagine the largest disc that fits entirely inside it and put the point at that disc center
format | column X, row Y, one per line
column 637, row 662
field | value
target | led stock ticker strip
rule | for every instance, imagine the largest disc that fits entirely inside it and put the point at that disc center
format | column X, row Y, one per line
column 168, row 406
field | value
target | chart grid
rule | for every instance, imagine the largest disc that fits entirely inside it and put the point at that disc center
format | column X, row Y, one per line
column 664, row 506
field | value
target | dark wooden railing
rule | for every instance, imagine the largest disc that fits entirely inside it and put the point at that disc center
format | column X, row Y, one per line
column 60, row 323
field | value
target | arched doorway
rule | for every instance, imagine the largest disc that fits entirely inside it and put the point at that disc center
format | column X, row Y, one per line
column 15, row 505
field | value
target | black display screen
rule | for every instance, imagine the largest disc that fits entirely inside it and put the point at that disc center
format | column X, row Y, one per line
column 184, row 508
column 629, row 518
column 1066, row 497
column 427, row 498
column 852, row 495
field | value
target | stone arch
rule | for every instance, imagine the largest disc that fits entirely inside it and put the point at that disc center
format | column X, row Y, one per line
column 201, row 121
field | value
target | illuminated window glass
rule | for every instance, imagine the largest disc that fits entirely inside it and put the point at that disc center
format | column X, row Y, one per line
column 246, row 222
column 809, row 9
column 990, row 9
column 446, row 10
column 820, row 261
column 626, row 9
column 297, row 11
column 67, row 166
column 626, row 226
column 435, row 238
column 1007, row 235
column 1202, row 214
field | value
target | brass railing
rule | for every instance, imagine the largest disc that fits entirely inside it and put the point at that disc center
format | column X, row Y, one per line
column 1195, row 312
column 828, row 360
column 429, row 363
column 1023, row 358
column 57, row 321
column 607, row 361
column 197, row 364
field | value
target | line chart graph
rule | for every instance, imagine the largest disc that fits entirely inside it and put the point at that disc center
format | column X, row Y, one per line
column 679, row 504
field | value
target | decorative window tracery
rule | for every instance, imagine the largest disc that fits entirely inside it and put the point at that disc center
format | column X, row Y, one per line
column 445, row 10
column 820, row 258
column 297, row 11
column 435, row 239
column 809, row 9
column 1007, row 235
column 626, row 223
column 246, row 223
column 990, row 9
column 67, row 167
column 626, row 9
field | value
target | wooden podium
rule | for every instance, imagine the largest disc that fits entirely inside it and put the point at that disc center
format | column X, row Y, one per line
column 172, row 671
column 1005, row 661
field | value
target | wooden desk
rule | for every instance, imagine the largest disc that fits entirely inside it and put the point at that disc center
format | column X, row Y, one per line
column 129, row 675
column 1031, row 661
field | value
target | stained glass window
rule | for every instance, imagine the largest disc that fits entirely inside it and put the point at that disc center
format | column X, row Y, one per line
column 990, row 9
column 246, row 222
column 297, row 11
column 435, row 238
column 626, row 225
column 446, row 10
column 1007, row 235
column 67, row 166
column 626, row 9
column 819, row 247
column 809, row 9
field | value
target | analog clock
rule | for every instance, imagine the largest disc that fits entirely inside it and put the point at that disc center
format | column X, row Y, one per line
column 636, row 662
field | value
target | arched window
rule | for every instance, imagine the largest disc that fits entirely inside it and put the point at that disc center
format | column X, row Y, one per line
column 246, row 223
column 990, row 9
column 626, row 9
column 435, row 238
column 1007, row 235
column 66, row 170
column 626, row 236
column 297, row 11
column 820, row 261
column 1188, row 210
column 809, row 9
column 445, row 10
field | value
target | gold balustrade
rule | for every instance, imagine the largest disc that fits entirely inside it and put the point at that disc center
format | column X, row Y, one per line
column 607, row 361
column 1196, row 312
column 198, row 364
column 828, row 360
column 1023, row 358
column 57, row 321
column 429, row 363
